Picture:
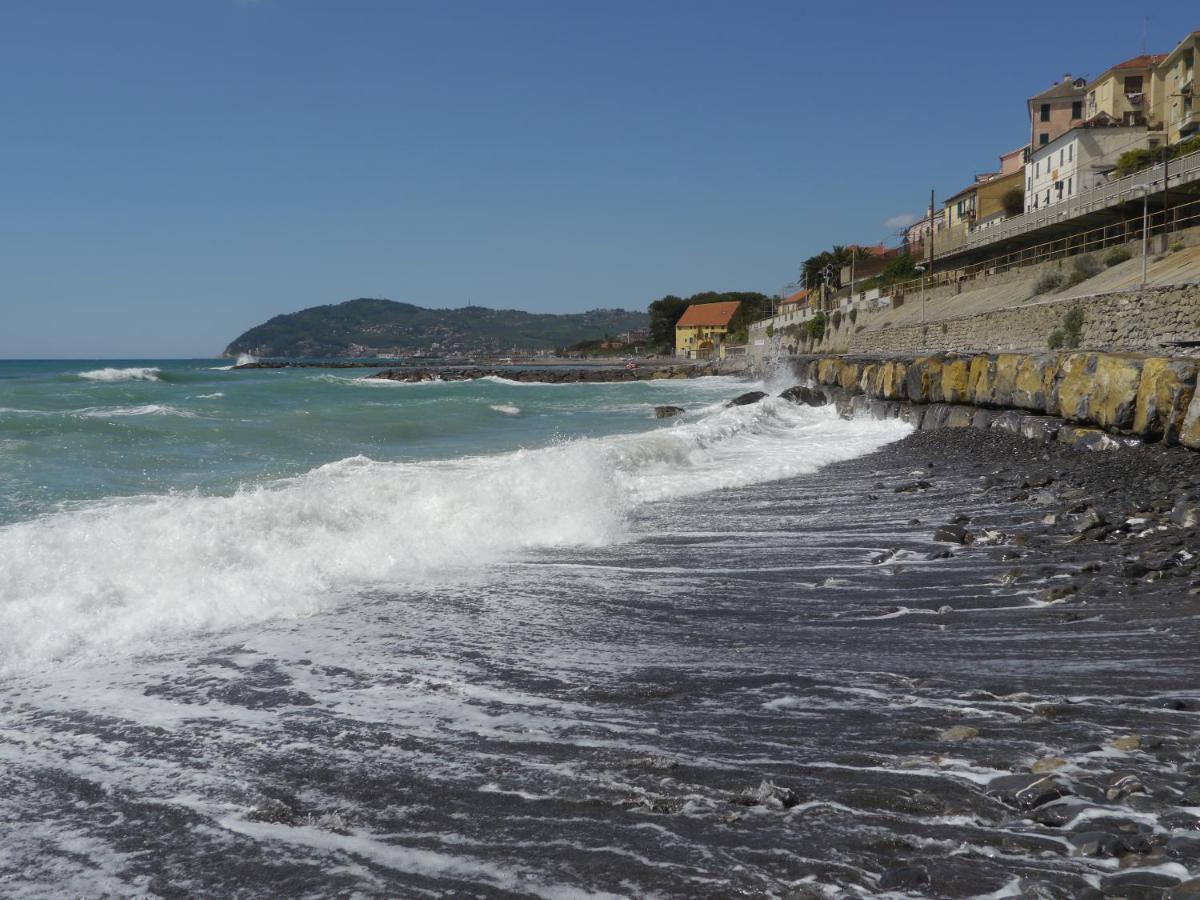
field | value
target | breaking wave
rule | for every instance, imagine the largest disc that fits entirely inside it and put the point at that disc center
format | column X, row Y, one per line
column 123, row 575
column 149, row 409
column 136, row 373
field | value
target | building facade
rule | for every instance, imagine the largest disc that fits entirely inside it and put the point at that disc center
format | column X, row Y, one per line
column 1175, row 90
column 1127, row 93
column 1056, row 111
column 1078, row 160
column 701, row 330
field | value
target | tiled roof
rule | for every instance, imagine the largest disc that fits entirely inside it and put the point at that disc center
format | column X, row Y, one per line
column 1144, row 61
column 798, row 297
column 714, row 314
column 1062, row 89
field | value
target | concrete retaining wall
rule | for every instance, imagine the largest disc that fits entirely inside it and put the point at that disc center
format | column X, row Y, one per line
column 1150, row 398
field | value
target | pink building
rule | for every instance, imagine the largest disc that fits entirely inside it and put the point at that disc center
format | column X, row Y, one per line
column 1056, row 111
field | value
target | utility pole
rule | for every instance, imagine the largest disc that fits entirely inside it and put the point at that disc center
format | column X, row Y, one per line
column 931, row 232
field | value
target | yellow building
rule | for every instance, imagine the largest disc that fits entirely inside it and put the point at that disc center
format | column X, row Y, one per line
column 1129, row 93
column 1175, row 90
column 700, row 331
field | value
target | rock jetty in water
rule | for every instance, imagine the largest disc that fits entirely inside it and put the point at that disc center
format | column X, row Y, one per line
column 554, row 375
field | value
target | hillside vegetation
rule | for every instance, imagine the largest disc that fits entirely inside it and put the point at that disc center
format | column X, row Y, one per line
column 365, row 327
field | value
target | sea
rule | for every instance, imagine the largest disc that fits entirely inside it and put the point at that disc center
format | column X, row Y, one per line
column 303, row 633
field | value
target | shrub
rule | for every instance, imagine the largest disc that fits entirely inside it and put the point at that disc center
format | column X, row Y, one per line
column 1087, row 265
column 1048, row 281
column 836, row 318
column 1073, row 327
column 945, row 328
column 1073, row 279
column 853, row 315
column 1116, row 256
column 1055, row 339
column 770, row 331
column 1176, row 246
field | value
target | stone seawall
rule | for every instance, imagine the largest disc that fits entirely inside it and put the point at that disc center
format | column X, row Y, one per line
column 1088, row 398
column 1143, row 320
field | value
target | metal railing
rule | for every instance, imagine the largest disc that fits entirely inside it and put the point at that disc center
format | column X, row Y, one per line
column 1170, row 220
column 1183, row 170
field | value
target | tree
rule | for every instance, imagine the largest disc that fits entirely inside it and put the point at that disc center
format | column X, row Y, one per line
column 1013, row 202
column 664, row 314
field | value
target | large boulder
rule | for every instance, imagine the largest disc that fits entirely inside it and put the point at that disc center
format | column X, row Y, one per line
column 828, row 370
column 848, row 375
column 805, row 395
column 1164, row 394
column 890, row 381
column 995, row 382
column 1034, row 384
column 747, row 398
column 960, row 417
column 866, row 379
column 666, row 412
column 1097, row 389
column 923, row 380
column 1189, row 431
column 956, row 380
column 981, row 372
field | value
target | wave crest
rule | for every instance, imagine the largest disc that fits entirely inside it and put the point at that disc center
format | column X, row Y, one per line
column 135, row 373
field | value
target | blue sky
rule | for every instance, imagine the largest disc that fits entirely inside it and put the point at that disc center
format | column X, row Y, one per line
column 176, row 171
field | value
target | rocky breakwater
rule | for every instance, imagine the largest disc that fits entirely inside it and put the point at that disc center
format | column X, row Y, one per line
column 554, row 375
column 1089, row 399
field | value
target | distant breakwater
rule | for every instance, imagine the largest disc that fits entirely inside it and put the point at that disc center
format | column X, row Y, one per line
column 544, row 376
column 1089, row 399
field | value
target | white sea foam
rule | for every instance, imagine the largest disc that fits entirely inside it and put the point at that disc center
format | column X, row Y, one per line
column 507, row 408
column 123, row 575
column 214, row 396
column 137, row 373
column 149, row 409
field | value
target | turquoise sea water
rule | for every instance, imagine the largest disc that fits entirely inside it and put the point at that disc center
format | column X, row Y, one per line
column 78, row 431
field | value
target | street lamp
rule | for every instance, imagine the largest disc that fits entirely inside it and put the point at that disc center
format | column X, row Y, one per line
column 920, row 268
column 1144, row 190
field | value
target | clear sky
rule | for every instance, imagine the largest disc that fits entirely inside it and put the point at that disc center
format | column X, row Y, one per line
column 175, row 171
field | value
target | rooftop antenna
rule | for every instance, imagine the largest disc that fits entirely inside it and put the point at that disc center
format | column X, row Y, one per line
column 1145, row 29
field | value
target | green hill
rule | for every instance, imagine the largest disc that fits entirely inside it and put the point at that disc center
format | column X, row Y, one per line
column 365, row 327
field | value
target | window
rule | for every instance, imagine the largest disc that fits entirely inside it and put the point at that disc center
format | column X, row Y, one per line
column 1045, row 112
column 1029, row 184
column 1037, row 168
column 1077, row 109
column 1133, row 84
column 1043, row 139
column 1070, row 186
column 1061, row 156
column 1070, row 152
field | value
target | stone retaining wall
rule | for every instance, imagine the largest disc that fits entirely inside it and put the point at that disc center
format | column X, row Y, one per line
column 1141, row 320
column 1148, row 320
column 1151, row 398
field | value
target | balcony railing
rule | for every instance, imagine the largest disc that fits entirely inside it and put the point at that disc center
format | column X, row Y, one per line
column 1181, row 171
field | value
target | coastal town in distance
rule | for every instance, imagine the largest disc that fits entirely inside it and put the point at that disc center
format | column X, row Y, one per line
column 600, row 450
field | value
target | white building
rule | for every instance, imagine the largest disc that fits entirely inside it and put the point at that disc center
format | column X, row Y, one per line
column 1078, row 160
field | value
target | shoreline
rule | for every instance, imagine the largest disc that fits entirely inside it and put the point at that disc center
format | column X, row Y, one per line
column 950, row 667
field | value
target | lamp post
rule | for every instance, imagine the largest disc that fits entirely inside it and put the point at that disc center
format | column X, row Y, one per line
column 921, row 269
column 1144, row 190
